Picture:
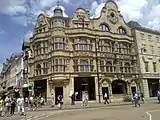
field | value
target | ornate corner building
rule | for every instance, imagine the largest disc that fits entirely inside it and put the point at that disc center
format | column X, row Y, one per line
column 80, row 54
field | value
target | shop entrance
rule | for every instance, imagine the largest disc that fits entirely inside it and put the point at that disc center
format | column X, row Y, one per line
column 58, row 91
column 84, row 84
column 119, row 87
column 153, row 85
column 40, row 88
column 133, row 90
column 105, row 90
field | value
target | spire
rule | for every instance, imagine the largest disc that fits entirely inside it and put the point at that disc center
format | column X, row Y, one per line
column 58, row 11
column 58, row 3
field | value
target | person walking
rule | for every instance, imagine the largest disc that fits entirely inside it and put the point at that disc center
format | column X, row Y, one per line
column 52, row 101
column 7, row 106
column 1, row 106
column 73, row 99
column 106, row 98
column 158, row 95
column 136, row 100
column 20, row 106
column 142, row 98
column 13, row 105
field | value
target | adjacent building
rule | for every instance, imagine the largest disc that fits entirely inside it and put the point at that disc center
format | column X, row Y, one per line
column 148, row 49
column 12, row 75
column 80, row 54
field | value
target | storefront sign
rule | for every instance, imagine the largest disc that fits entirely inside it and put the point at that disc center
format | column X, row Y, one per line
column 84, row 74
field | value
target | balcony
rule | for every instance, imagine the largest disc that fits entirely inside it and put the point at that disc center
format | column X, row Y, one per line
column 41, row 35
column 83, row 53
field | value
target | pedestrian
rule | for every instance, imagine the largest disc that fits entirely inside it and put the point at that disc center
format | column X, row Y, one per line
column 85, row 99
column 73, row 99
column 136, row 100
column 106, row 98
column 20, row 106
column 59, row 101
column 1, row 106
column 52, row 100
column 158, row 95
column 13, row 105
column 26, row 102
column 142, row 98
column 42, row 101
column 7, row 106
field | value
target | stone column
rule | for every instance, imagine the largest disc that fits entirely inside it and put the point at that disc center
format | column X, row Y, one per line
column 96, row 89
column 129, row 89
column 110, row 91
column 48, row 91
column 145, row 87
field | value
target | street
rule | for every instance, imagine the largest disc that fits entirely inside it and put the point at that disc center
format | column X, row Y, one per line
column 145, row 112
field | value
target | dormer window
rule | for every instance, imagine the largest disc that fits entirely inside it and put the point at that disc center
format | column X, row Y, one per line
column 104, row 27
column 122, row 31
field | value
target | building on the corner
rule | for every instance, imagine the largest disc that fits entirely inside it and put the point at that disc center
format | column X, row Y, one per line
column 148, row 49
column 80, row 54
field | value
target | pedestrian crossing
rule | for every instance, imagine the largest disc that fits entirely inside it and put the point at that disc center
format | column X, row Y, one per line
column 41, row 116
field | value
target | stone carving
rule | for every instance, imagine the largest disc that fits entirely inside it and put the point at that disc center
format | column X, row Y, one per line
column 112, row 16
column 80, row 15
column 82, row 54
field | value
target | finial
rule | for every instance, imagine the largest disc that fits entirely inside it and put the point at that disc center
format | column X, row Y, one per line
column 58, row 3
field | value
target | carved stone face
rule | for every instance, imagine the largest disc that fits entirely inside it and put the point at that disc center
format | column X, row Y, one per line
column 80, row 15
column 112, row 16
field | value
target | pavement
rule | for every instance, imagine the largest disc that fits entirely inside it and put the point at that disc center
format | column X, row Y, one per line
column 79, row 106
column 95, row 111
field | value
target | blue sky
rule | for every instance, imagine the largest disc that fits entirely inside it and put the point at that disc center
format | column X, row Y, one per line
column 17, row 17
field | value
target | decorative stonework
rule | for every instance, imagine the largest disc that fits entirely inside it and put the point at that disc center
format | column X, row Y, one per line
column 112, row 16
column 80, row 15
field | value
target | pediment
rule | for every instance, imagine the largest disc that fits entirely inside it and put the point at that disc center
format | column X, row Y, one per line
column 41, row 21
column 81, row 15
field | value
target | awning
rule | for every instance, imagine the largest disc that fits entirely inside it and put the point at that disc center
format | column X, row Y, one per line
column 59, row 80
column 25, row 86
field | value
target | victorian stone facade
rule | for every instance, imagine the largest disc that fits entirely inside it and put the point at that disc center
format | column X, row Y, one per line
column 80, row 54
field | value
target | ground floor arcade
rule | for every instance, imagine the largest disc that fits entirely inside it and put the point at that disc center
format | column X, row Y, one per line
column 116, row 88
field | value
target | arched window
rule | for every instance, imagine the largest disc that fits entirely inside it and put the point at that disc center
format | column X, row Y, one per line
column 107, row 47
column 102, row 65
column 38, row 69
column 38, row 49
column 122, row 30
column 109, row 67
column 59, row 43
column 127, row 68
column 84, row 66
column 82, row 45
column 104, row 27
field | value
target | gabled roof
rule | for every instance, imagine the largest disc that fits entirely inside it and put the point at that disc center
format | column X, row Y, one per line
column 25, row 45
column 136, row 25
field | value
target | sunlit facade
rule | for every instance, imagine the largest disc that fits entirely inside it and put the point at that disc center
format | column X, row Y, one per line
column 74, row 54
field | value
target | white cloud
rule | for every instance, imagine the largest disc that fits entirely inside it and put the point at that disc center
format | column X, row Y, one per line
column 28, row 35
column 25, row 12
column 132, row 9
column 13, row 7
column 96, row 9
column 154, row 18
